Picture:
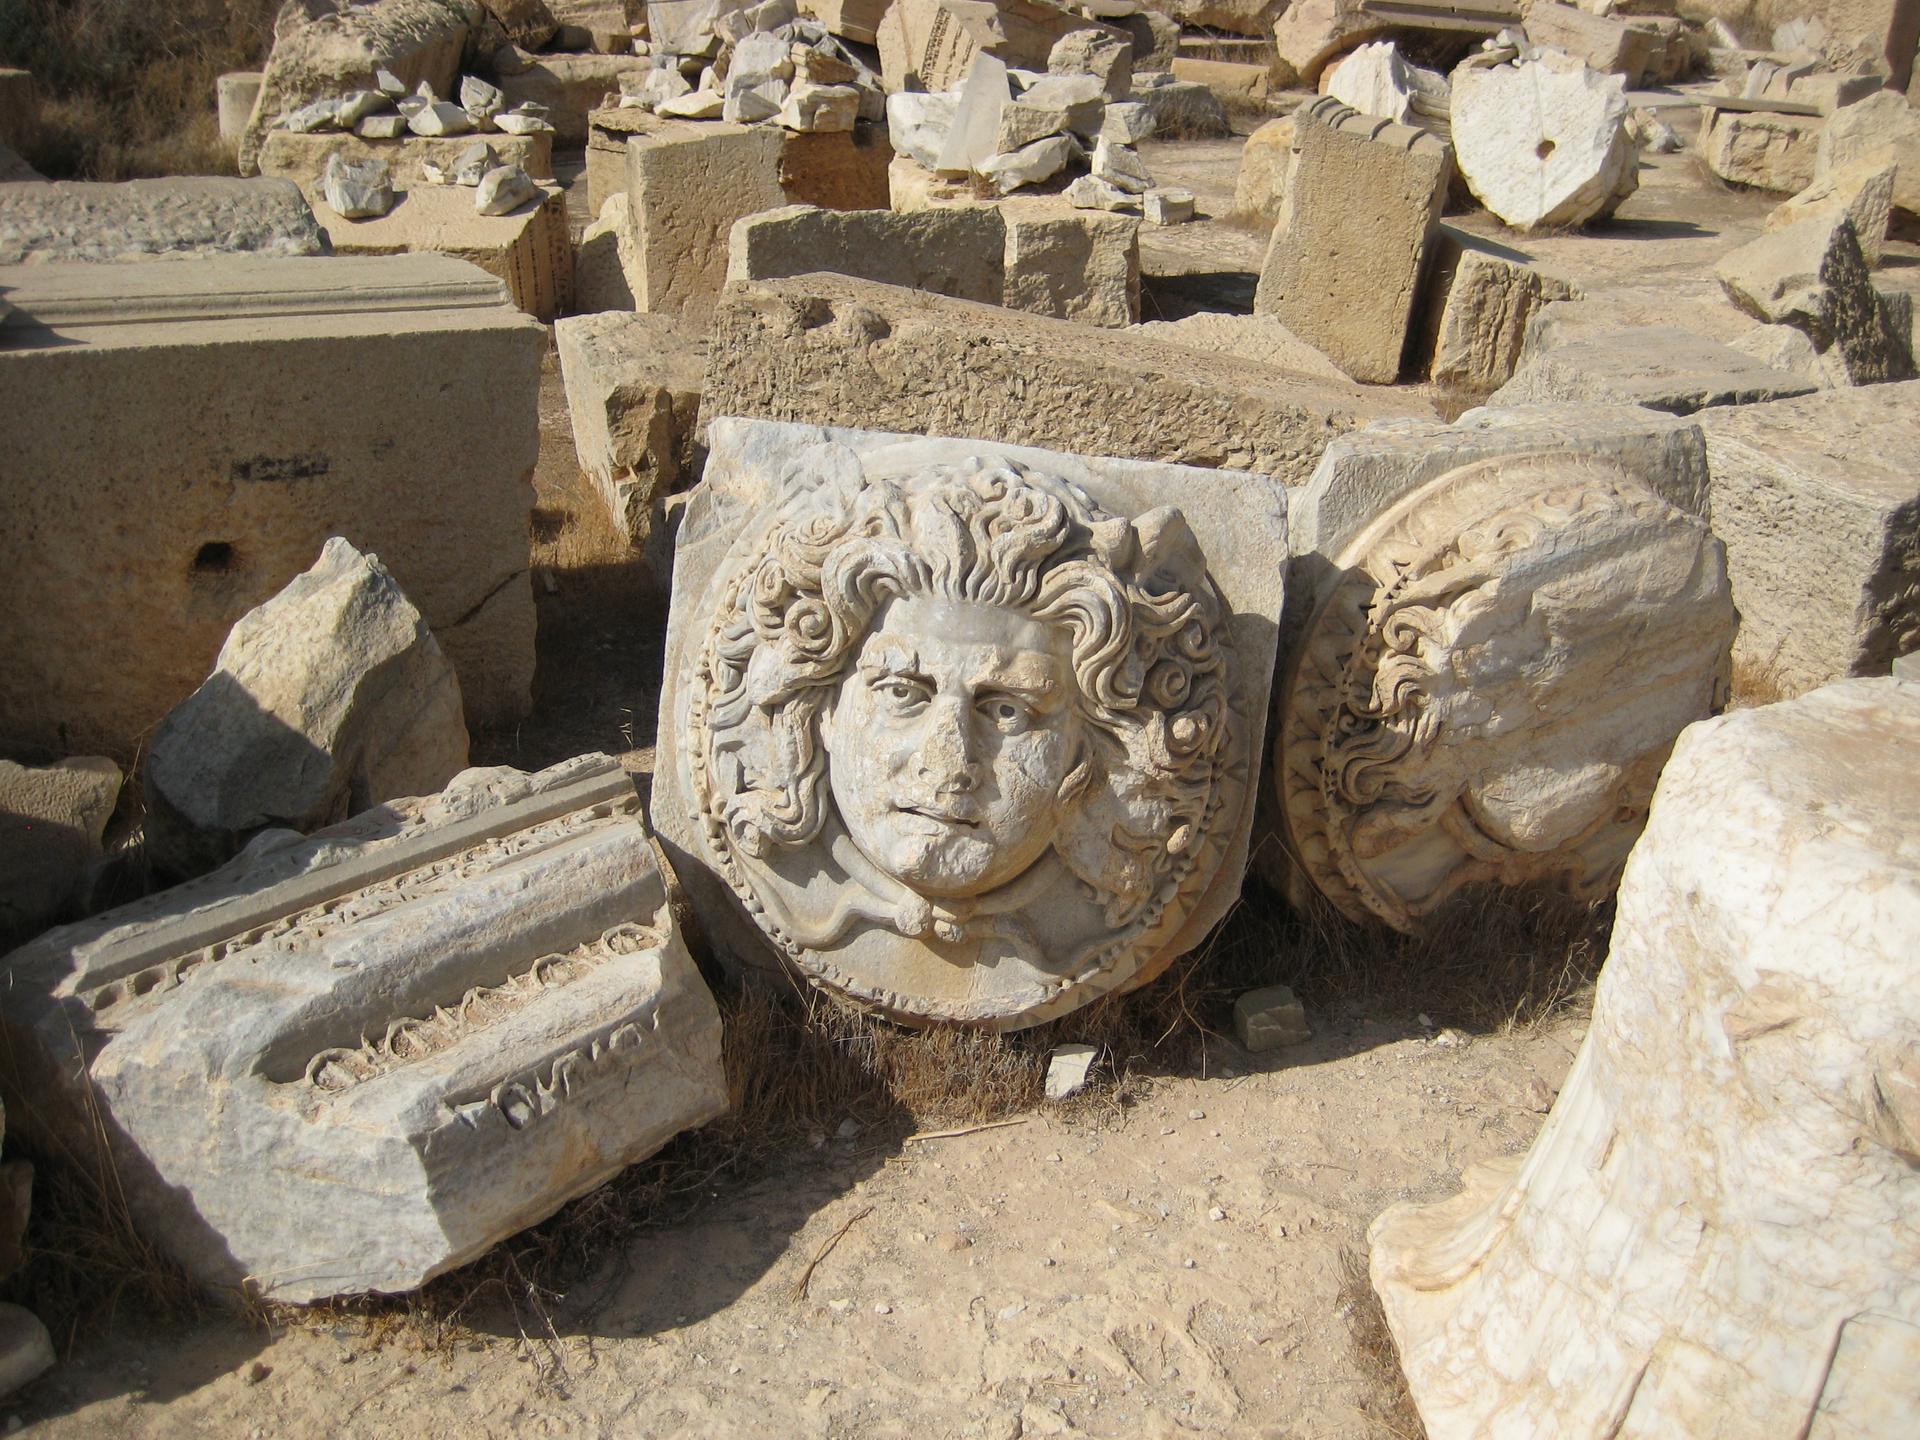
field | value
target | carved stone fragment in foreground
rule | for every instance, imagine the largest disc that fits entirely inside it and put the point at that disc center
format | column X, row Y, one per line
column 351, row 1062
column 1511, row 620
column 1718, row 1231
column 964, row 728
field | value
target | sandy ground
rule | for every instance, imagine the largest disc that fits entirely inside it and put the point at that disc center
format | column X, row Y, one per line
column 1174, row 1256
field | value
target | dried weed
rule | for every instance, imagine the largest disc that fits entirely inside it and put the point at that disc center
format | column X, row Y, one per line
column 1373, row 1350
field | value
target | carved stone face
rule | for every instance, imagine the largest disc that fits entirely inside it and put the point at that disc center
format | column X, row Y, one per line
column 948, row 743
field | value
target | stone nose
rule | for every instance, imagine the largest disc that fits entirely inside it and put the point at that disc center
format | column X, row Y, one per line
column 947, row 755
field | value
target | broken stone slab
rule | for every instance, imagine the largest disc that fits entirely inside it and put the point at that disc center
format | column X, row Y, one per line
column 330, row 697
column 1270, row 1018
column 1352, row 170
column 1766, row 152
column 1595, row 621
column 1782, row 347
column 697, row 105
column 328, row 51
column 1126, row 123
column 833, row 350
column 1067, row 1068
column 1182, row 109
column 648, row 89
column 234, row 97
column 1105, row 56
column 1029, row 165
column 1544, row 143
column 52, row 819
column 504, row 189
column 373, row 127
column 687, row 190
column 1811, row 275
column 1265, row 161
column 1861, row 189
column 820, row 109
column 1376, row 80
column 1089, row 192
column 1814, row 498
column 131, row 220
column 1121, row 167
column 606, row 261
column 972, row 132
column 1022, row 897
column 1228, row 80
column 917, row 125
column 956, row 251
column 1481, row 298
column 1165, row 206
column 357, row 190
column 1309, row 35
column 1260, row 338
column 1077, row 98
column 439, row 117
column 1607, row 44
column 1660, row 367
column 1856, row 131
column 1073, row 266
column 1728, row 1172
column 472, row 162
column 527, row 23
column 633, row 393
column 181, row 350
column 349, row 1063
column 528, row 249
column 748, row 104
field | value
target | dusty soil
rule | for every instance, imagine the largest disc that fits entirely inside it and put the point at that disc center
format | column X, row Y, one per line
column 1172, row 1254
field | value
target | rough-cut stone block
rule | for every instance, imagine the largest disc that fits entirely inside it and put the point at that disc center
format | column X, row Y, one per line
column 922, row 616
column 1656, row 366
column 352, row 1062
column 528, row 248
column 571, row 87
column 234, row 97
column 1264, row 162
column 606, row 262
column 1269, row 1018
column 1227, row 79
column 325, row 49
column 826, row 349
column 303, row 158
column 52, row 819
column 607, row 130
column 1608, row 45
column 1762, row 150
column 1354, row 174
column 1856, row 131
column 204, row 396
column 329, row 698
column 633, row 392
column 1717, row 1232
column 1479, row 300
column 1073, row 267
column 930, row 44
column 1543, row 142
column 686, row 191
column 1182, row 109
column 1816, row 501
column 953, row 251
column 1861, row 189
column 53, row 220
column 1594, row 628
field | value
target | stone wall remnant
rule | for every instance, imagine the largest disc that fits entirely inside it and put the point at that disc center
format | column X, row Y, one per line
column 961, row 731
column 1718, row 1229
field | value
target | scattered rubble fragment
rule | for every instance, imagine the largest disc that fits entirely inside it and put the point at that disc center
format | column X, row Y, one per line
column 357, row 190
column 1067, row 1068
column 1269, row 1019
column 1758, row 980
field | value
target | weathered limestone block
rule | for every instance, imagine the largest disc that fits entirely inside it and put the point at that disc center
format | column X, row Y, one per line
column 328, row 699
column 1480, row 298
column 1718, row 1230
column 1375, row 80
column 1544, row 143
column 1309, row 34
column 1609, row 45
column 836, row 169
column 686, row 191
column 52, row 819
column 529, row 248
column 947, row 250
column 1251, row 337
column 1856, row 131
column 930, row 44
column 234, row 97
column 352, row 1062
column 1073, row 267
column 204, row 397
column 1510, row 621
column 1761, row 150
column 43, row 221
column 608, row 128
column 1811, row 275
column 857, row 20
column 953, row 849
column 326, row 48
column 827, row 349
column 1227, row 79
column 1816, row 502
column 1660, row 367
column 1353, row 174
column 1861, row 189
column 606, row 262
column 633, row 392
column 571, row 87
column 1181, row 109
column 1265, row 161
column 303, row 158
column 1238, row 17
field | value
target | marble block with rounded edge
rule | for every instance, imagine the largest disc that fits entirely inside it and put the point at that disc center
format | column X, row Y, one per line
column 1717, row 1233
column 1495, row 631
column 964, row 731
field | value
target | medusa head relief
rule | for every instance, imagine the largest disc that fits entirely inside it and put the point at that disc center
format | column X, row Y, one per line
column 958, row 739
column 1493, row 681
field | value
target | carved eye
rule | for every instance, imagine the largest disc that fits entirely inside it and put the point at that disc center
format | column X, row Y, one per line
column 902, row 695
column 1006, row 715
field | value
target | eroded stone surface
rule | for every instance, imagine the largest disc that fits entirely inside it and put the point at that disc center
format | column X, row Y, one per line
column 1511, row 619
column 960, row 729
column 47, row 221
column 352, row 1062
column 1716, row 1231
column 51, row 822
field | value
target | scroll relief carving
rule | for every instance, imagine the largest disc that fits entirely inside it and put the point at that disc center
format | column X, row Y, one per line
column 958, row 738
column 1491, row 685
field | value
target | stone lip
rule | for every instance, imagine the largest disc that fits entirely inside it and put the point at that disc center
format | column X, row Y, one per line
column 1238, row 523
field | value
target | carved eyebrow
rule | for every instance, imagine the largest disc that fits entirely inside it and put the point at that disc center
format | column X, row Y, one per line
column 1028, row 676
column 890, row 659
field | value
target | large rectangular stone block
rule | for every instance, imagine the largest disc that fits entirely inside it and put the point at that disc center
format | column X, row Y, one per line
column 1343, row 267
column 1816, row 500
column 829, row 350
column 183, row 436
column 351, row 1062
column 685, row 191
column 529, row 249
column 948, row 251
column 1765, row 151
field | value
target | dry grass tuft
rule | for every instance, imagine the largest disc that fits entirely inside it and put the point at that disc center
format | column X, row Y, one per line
column 1756, row 684
column 1373, row 1349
